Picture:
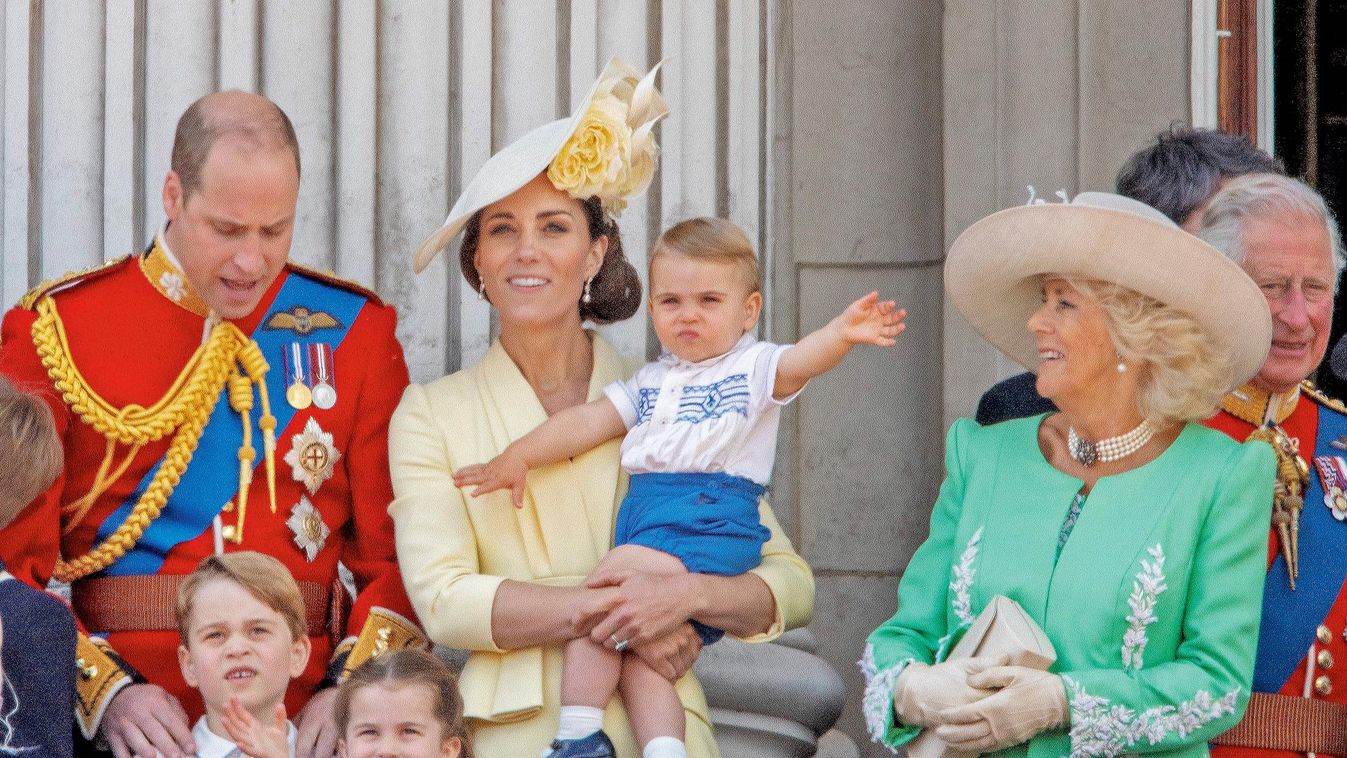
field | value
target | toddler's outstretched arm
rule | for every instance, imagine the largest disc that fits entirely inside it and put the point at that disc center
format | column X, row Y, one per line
column 868, row 320
column 566, row 434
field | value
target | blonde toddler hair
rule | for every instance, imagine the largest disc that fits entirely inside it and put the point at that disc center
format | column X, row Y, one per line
column 712, row 239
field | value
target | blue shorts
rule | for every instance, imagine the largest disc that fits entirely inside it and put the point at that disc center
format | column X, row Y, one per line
column 707, row 521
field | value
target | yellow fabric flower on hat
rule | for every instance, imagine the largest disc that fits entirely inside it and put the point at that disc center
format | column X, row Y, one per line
column 594, row 159
column 612, row 153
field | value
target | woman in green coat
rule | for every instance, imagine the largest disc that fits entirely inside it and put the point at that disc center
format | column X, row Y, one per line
column 1131, row 535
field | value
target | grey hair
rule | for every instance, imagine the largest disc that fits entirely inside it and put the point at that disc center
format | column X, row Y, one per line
column 1266, row 196
column 1181, row 171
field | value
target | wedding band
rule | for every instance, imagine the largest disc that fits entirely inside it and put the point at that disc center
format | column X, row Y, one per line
column 618, row 645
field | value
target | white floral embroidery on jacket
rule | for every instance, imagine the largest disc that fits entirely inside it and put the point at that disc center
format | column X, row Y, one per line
column 1101, row 728
column 878, row 698
column 1146, row 589
column 963, row 580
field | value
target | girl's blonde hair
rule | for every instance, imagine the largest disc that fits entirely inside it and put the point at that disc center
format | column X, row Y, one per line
column 29, row 447
column 409, row 666
column 712, row 239
column 1184, row 373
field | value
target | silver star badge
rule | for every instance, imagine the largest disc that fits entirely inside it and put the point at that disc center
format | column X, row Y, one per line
column 307, row 524
column 312, row 456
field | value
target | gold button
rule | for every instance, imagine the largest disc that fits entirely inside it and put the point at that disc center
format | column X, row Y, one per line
column 1324, row 659
column 1324, row 634
column 1323, row 686
column 228, row 507
column 228, row 532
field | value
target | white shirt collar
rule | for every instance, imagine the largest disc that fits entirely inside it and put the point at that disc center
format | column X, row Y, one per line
column 671, row 360
column 162, row 239
column 211, row 745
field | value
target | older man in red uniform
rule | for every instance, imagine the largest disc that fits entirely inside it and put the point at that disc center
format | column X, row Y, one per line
column 212, row 396
column 1281, row 233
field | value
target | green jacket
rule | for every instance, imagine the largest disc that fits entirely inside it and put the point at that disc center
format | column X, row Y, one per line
column 1152, row 606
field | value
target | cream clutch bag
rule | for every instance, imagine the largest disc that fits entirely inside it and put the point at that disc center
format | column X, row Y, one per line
column 1003, row 628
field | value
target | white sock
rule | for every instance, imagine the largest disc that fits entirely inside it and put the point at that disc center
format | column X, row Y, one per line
column 665, row 747
column 578, row 721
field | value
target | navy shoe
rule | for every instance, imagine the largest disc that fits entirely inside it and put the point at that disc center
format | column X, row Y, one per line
column 596, row 745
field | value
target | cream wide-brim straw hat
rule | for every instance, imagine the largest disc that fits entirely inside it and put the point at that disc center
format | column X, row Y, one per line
column 994, row 273
column 518, row 163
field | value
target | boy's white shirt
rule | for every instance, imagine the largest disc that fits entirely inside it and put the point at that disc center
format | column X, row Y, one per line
column 211, row 745
column 716, row 415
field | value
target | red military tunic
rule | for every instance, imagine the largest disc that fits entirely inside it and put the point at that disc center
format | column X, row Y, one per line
column 130, row 329
column 1322, row 668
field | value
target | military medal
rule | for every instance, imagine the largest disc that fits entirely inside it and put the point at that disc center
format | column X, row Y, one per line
column 324, row 394
column 297, row 394
column 1333, row 475
column 306, row 523
column 312, row 456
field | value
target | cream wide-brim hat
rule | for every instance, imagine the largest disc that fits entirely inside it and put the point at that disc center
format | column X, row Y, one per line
column 994, row 273
column 519, row 162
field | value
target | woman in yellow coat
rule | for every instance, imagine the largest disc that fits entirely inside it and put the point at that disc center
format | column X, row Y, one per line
column 509, row 584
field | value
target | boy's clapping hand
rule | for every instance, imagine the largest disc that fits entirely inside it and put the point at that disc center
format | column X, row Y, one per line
column 255, row 739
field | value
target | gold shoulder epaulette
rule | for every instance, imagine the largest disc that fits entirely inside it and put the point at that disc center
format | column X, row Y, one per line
column 1319, row 397
column 384, row 631
column 67, row 280
column 332, row 278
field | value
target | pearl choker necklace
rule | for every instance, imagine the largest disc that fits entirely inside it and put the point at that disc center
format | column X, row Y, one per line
column 1109, row 449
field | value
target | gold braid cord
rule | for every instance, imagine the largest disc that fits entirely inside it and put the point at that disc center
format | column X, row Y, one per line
column 1293, row 475
column 183, row 411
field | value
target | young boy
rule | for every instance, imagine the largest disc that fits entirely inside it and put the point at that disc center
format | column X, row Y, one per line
column 700, row 426
column 37, row 632
column 241, row 617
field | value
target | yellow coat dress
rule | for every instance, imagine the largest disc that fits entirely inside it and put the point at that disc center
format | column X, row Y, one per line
column 455, row 550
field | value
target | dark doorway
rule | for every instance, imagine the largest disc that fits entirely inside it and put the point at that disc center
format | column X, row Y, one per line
column 1310, row 114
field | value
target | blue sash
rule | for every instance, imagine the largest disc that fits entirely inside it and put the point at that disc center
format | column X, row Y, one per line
column 1290, row 617
column 212, row 478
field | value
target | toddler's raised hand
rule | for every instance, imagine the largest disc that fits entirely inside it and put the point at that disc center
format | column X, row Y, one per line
column 873, row 321
column 254, row 738
column 503, row 471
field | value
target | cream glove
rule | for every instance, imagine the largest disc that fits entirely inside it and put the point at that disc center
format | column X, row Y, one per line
column 923, row 691
column 1028, row 702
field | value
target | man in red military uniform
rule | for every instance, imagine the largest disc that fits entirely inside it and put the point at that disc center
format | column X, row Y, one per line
column 212, row 397
column 1281, row 233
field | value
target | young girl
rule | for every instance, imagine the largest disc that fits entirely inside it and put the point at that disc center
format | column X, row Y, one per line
column 404, row 703
column 700, row 426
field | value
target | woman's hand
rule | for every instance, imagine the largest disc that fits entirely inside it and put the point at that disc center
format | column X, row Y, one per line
column 672, row 655
column 591, row 609
column 923, row 692
column 1027, row 702
column 644, row 607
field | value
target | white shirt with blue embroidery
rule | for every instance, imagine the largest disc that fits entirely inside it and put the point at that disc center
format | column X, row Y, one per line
column 717, row 415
